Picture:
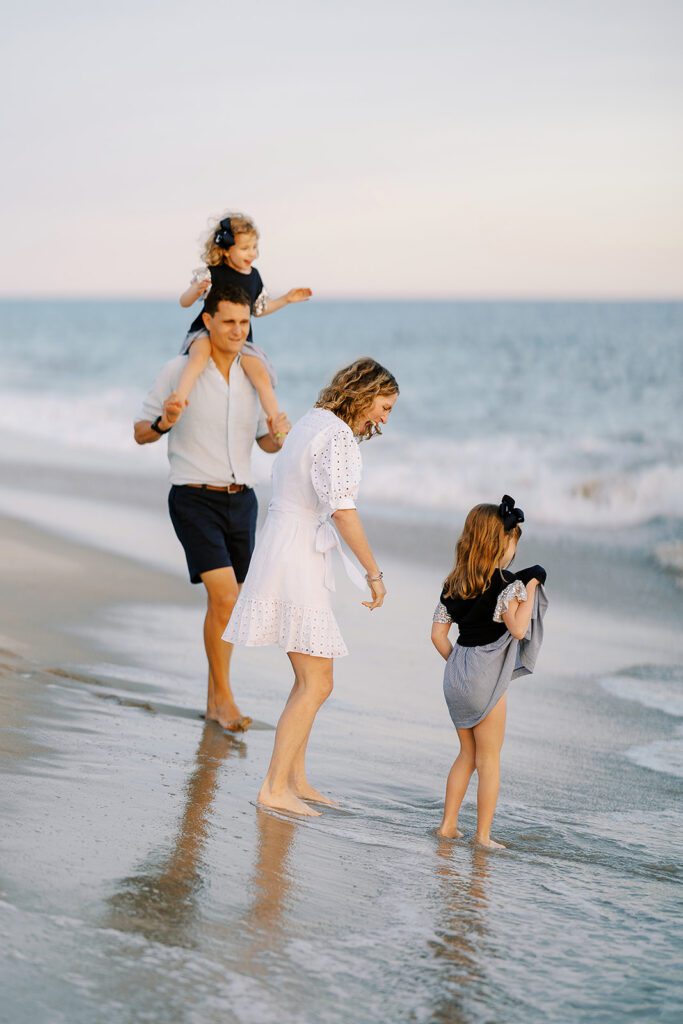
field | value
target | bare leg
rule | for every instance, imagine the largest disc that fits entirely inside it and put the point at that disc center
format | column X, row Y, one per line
column 258, row 375
column 298, row 780
column 222, row 590
column 488, row 740
column 197, row 358
column 456, row 786
column 311, row 689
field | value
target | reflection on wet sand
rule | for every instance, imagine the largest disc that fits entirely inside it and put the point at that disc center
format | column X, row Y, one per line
column 160, row 902
column 271, row 886
column 460, row 947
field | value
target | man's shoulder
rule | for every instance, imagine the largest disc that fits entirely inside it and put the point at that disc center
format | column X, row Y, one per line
column 174, row 367
column 177, row 363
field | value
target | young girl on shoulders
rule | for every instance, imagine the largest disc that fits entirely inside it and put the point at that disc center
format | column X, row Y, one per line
column 230, row 250
column 499, row 615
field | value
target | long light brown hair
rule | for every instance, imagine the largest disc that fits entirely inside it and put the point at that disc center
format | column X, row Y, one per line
column 478, row 552
column 240, row 224
column 354, row 388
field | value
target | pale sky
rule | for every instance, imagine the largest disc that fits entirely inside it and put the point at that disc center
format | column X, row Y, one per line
column 522, row 148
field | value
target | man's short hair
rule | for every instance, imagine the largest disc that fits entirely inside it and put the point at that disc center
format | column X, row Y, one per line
column 228, row 293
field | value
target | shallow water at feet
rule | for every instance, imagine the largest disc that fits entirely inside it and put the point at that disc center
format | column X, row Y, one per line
column 163, row 895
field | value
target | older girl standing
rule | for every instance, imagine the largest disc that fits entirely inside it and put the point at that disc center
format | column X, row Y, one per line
column 286, row 595
column 499, row 615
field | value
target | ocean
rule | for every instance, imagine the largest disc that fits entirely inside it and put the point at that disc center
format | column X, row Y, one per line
column 573, row 408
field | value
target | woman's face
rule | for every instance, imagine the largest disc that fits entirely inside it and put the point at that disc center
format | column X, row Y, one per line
column 377, row 412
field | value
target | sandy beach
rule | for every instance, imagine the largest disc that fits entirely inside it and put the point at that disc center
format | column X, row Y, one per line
column 140, row 883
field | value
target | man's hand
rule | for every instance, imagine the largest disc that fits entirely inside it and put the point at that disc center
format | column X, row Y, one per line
column 173, row 410
column 279, row 426
column 298, row 294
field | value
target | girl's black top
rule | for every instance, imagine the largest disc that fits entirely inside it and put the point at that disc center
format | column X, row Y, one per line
column 223, row 275
column 474, row 615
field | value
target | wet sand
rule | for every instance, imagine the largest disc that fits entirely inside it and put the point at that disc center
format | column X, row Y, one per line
column 140, row 883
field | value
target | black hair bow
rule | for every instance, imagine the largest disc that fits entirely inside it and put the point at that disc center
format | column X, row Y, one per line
column 510, row 515
column 224, row 237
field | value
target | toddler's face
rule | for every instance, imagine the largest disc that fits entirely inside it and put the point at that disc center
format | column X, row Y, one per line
column 242, row 254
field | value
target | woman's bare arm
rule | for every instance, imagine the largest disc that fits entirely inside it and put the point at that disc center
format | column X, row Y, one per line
column 349, row 524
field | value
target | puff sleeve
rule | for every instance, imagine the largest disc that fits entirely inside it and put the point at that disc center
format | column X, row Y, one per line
column 261, row 302
column 442, row 615
column 515, row 591
column 336, row 469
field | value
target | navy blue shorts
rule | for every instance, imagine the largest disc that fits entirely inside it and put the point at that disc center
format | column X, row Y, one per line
column 216, row 529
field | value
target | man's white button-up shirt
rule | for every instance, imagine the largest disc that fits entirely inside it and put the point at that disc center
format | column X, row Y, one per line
column 212, row 441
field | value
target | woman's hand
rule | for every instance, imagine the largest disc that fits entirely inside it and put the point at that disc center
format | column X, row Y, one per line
column 378, row 591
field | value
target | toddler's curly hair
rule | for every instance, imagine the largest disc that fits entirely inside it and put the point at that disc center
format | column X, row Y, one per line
column 240, row 223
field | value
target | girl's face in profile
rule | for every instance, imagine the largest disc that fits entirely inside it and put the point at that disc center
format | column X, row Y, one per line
column 509, row 552
column 242, row 254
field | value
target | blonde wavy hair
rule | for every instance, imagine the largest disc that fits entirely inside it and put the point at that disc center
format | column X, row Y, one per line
column 354, row 388
column 240, row 223
column 478, row 552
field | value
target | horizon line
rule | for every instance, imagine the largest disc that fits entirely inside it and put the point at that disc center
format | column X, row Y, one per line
column 350, row 297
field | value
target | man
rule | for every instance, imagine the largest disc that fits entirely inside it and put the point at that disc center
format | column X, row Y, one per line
column 212, row 505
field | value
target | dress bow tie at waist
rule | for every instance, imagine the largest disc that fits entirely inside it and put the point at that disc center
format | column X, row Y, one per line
column 326, row 540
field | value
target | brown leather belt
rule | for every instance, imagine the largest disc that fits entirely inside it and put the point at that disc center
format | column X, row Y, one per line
column 230, row 489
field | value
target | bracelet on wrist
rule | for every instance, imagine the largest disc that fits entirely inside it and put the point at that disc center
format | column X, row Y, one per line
column 157, row 428
column 374, row 579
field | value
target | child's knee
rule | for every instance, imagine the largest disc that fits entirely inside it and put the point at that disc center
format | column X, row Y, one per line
column 485, row 760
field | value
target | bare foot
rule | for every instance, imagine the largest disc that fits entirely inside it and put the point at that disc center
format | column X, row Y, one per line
column 489, row 844
column 449, row 832
column 284, row 801
column 229, row 718
column 305, row 791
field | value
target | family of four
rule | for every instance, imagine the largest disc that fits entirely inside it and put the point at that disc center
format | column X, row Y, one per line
column 213, row 405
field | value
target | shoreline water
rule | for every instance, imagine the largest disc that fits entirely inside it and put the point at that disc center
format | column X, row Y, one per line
column 136, row 862
column 138, row 880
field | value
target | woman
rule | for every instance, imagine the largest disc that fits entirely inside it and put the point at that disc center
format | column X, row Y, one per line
column 285, row 599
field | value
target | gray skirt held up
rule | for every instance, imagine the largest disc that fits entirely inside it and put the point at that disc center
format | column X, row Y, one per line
column 476, row 678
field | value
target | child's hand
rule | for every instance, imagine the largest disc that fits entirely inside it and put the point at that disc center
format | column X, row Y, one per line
column 298, row 294
column 279, row 426
column 173, row 408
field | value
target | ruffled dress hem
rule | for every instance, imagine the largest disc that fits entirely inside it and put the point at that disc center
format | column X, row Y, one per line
column 264, row 622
